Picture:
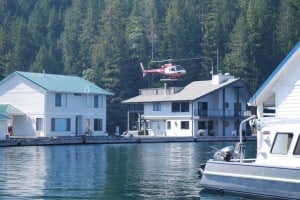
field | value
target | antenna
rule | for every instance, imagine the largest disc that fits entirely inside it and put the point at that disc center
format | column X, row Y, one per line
column 217, row 60
column 212, row 67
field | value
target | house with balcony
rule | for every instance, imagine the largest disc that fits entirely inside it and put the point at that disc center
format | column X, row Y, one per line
column 46, row 105
column 279, row 95
column 202, row 108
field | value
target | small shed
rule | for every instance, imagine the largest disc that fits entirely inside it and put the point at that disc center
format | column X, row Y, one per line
column 3, row 126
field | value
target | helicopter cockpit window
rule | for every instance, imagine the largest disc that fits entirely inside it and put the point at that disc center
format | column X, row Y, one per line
column 178, row 67
column 173, row 68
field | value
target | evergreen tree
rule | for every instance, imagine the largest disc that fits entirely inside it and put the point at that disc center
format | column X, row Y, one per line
column 70, row 39
column 251, row 43
column 111, row 55
column 44, row 61
column 37, row 22
column 138, row 47
column 21, row 54
column 105, row 40
column 3, row 46
column 287, row 32
column 219, row 18
column 54, row 30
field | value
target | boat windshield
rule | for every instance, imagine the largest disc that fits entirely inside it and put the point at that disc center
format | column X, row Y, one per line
column 297, row 148
column 282, row 143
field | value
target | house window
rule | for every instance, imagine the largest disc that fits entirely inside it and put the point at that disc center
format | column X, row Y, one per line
column 237, row 109
column 60, row 124
column 168, row 125
column 100, row 99
column 297, row 149
column 282, row 143
column 184, row 106
column 175, row 107
column 39, row 124
column 185, row 125
column 98, row 124
column 202, row 108
column 201, row 125
column 96, row 101
column 156, row 106
column 180, row 106
column 60, row 100
column 89, row 101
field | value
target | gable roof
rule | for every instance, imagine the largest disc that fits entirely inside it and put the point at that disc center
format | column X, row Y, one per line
column 8, row 109
column 275, row 75
column 190, row 92
column 62, row 83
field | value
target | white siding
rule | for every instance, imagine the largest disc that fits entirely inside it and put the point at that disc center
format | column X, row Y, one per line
column 285, row 86
column 76, row 106
column 3, row 129
column 23, row 95
column 290, row 105
column 214, row 101
column 37, row 103
column 166, row 110
column 23, row 126
column 176, row 129
column 28, row 98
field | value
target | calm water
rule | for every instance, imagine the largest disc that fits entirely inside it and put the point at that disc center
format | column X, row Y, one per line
column 110, row 171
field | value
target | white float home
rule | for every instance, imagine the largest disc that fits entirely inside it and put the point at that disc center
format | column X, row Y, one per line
column 279, row 95
column 46, row 105
column 202, row 108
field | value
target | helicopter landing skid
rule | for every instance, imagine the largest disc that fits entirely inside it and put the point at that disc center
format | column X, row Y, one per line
column 168, row 79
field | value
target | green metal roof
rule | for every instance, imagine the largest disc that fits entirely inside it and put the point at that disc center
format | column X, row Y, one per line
column 7, row 109
column 63, row 83
column 3, row 117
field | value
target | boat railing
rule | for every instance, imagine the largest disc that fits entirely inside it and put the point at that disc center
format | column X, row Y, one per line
column 241, row 136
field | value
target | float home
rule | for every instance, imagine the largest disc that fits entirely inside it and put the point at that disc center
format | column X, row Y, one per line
column 46, row 105
column 202, row 108
column 279, row 95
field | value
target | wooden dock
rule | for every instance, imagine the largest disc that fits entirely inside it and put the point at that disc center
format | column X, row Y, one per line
column 72, row 140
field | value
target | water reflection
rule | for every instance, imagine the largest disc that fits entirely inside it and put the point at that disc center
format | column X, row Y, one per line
column 23, row 172
column 74, row 171
column 119, row 171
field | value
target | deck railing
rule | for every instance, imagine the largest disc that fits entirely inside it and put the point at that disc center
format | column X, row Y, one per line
column 159, row 91
column 220, row 113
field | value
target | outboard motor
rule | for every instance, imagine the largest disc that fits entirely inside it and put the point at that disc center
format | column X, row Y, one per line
column 224, row 154
column 228, row 153
column 201, row 170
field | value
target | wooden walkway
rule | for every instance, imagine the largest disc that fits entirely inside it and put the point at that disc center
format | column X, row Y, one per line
column 39, row 141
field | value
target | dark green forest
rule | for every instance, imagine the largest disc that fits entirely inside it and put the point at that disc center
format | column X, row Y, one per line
column 105, row 40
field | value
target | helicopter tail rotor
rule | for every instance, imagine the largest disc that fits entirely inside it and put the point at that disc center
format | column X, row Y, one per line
column 143, row 70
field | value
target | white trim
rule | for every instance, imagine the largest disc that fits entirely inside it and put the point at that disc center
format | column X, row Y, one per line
column 188, row 117
column 297, row 181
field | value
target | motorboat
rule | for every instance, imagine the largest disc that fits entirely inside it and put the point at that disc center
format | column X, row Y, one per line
column 273, row 174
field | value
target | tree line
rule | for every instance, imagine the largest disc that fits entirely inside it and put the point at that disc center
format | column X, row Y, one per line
column 105, row 40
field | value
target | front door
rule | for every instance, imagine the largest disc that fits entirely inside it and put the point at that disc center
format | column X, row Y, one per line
column 78, row 130
column 210, row 126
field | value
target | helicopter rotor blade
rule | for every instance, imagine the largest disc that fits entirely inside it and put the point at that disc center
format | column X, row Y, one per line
column 187, row 59
column 173, row 60
column 159, row 61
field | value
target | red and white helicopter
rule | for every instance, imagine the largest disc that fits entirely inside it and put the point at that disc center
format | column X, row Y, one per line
column 168, row 70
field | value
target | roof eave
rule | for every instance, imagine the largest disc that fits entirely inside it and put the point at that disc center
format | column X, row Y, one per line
column 274, row 75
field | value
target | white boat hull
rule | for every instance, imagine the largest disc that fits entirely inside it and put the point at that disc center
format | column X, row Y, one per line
column 252, row 179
